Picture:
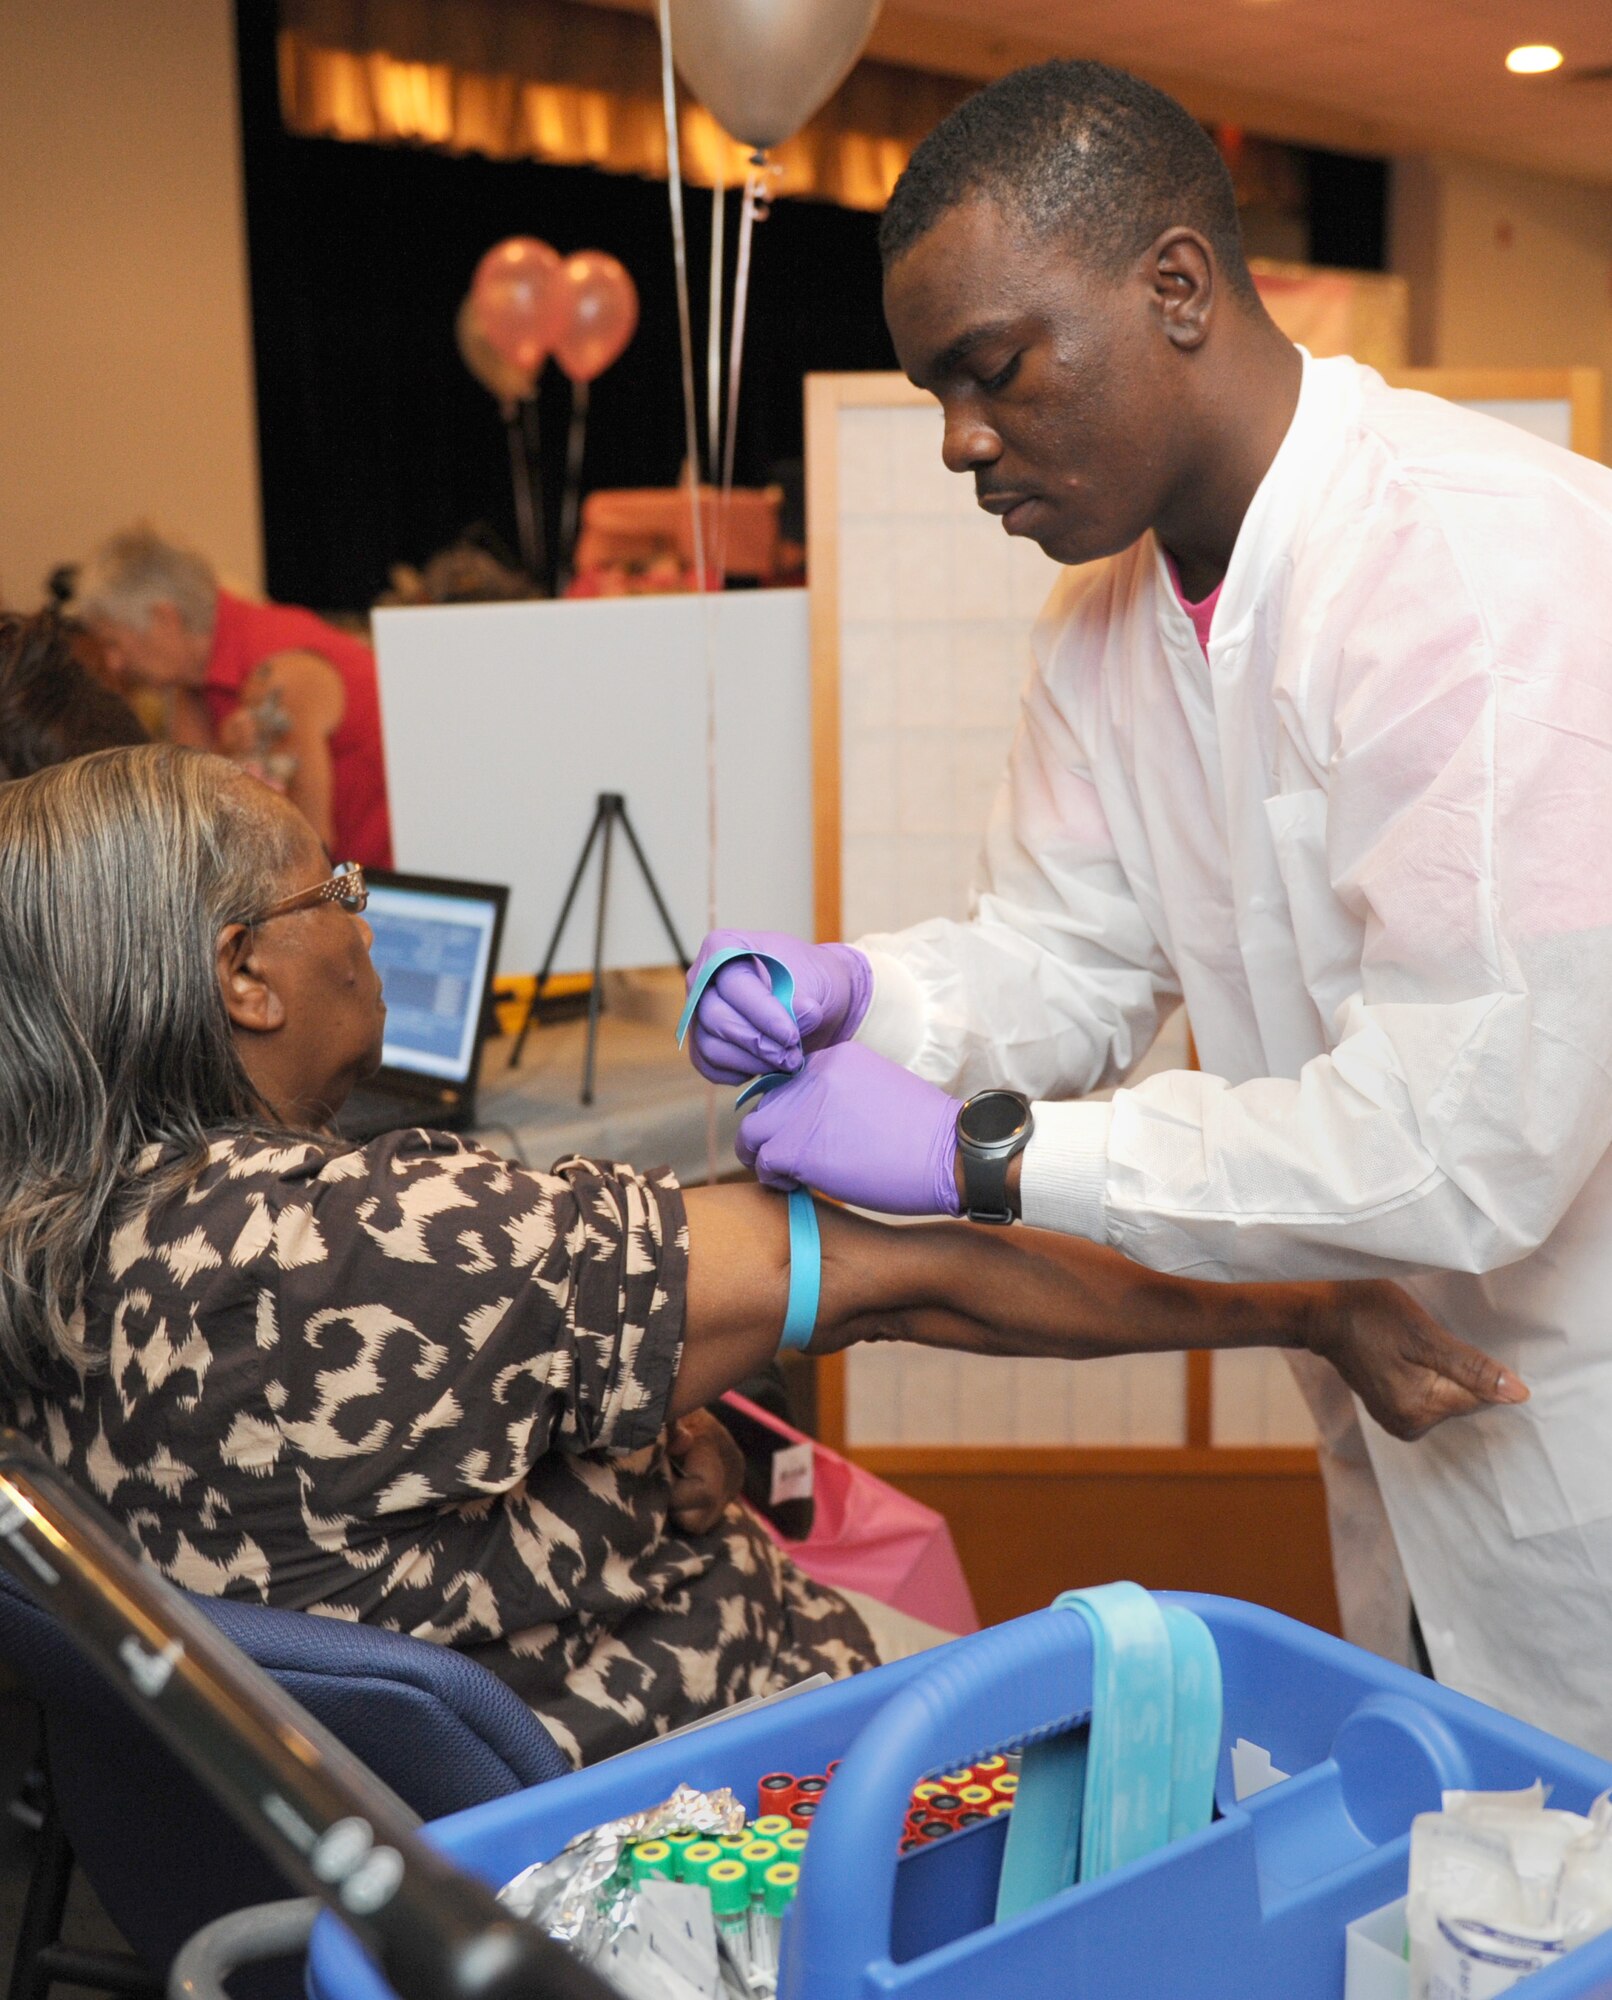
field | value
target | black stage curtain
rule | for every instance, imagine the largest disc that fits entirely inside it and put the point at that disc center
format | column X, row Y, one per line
column 1348, row 210
column 376, row 446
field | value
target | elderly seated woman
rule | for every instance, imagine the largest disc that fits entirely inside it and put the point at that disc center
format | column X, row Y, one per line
column 410, row 1382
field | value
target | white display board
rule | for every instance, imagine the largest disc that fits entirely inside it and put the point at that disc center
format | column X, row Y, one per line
column 1561, row 405
column 935, row 610
column 503, row 723
column 1547, row 417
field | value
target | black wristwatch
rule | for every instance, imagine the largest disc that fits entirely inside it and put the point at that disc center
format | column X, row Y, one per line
column 992, row 1127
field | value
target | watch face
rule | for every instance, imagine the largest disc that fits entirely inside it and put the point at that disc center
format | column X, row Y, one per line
column 992, row 1116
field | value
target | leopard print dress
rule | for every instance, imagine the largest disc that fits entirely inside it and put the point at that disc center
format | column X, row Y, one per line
column 412, row 1384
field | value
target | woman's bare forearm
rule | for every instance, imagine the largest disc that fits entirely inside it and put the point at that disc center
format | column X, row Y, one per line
column 985, row 1291
column 1024, row 1291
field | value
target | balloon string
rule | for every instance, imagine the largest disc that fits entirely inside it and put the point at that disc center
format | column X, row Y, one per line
column 576, row 445
column 752, row 210
column 685, row 324
column 691, row 436
column 713, row 342
column 520, row 473
column 531, row 432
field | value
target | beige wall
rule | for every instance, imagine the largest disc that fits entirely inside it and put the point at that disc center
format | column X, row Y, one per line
column 125, row 357
column 1506, row 268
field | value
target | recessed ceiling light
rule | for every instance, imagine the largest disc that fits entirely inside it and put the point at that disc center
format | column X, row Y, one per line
column 1533, row 59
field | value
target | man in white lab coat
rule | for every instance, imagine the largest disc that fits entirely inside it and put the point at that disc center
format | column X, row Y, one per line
column 1325, row 750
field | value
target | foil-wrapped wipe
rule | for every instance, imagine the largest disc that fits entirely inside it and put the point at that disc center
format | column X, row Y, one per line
column 584, row 1896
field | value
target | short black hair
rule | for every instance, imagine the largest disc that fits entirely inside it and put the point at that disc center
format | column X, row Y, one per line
column 1076, row 149
column 51, row 707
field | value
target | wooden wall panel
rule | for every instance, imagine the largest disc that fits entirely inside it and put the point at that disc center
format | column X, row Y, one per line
column 1253, row 1527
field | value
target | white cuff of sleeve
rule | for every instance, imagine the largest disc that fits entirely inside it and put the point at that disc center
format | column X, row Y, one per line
column 893, row 1026
column 1065, row 1172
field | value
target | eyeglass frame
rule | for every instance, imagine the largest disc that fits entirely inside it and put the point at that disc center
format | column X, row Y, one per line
column 346, row 888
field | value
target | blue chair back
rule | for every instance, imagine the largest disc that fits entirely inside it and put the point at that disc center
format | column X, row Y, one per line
column 442, row 1731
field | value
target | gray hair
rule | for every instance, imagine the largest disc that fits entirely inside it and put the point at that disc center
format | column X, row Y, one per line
column 117, row 873
column 130, row 574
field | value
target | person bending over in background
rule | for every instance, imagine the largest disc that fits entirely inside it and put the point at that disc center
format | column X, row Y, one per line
column 51, row 706
column 288, row 696
column 411, row 1382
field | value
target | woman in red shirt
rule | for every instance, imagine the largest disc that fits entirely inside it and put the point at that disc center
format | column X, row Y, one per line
column 290, row 697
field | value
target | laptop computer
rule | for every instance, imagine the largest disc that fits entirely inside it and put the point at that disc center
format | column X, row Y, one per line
column 436, row 948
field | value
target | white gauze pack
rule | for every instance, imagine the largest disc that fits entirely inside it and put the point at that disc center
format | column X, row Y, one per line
column 1501, row 1886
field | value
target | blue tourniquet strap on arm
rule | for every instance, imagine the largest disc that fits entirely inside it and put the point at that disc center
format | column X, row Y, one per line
column 805, row 1239
column 1144, row 1772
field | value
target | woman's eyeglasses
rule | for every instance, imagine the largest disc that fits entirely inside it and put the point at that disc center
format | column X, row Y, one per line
column 346, row 888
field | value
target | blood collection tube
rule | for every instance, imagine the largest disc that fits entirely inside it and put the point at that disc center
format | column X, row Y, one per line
column 973, row 1817
column 769, row 1826
column 651, row 1861
column 680, row 1839
column 989, row 1767
column 699, row 1859
column 758, row 1856
column 810, row 1788
column 728, row 1883
column 792, row 1845
column 803, row 1813
column 1001, row 1806
column 775, row 1793
column 1006, row 1785
column 783, row 1879
column 937, row 1829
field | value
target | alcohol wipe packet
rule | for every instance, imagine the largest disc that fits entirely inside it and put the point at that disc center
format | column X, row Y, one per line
column 1500, row 1886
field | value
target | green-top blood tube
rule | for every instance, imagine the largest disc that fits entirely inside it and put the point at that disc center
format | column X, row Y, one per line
column 651, row 1860
column 778, row 1889
column 699, row 1859
column 758, row 1856
column 729, row 1884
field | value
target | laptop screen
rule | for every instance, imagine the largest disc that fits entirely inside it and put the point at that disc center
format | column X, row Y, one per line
column 434, row 947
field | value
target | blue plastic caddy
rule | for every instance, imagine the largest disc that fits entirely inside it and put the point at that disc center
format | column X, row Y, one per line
column 1252, row 1908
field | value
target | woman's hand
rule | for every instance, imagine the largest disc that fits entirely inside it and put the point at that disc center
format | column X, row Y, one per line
column 708, row 1468
column 1407, row 1369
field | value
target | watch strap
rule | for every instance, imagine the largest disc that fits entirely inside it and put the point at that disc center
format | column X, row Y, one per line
column 985, row 1196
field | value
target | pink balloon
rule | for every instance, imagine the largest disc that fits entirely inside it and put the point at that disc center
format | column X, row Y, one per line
column 602, row 315
column 520, row 301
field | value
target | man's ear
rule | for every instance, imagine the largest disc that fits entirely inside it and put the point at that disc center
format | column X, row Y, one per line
column 1184, row 277
column 251, row 998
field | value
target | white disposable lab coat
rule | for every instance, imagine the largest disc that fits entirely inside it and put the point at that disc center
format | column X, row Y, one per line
column 1369, row 841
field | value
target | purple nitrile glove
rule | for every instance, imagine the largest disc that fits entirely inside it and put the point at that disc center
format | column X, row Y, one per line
column 860, row 1128
column 741, row 1031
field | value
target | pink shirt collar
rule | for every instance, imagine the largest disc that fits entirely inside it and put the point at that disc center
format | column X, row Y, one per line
column 1202, row 613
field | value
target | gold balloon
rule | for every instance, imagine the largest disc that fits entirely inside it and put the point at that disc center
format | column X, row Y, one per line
column 762, row 67
column 499, row 377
